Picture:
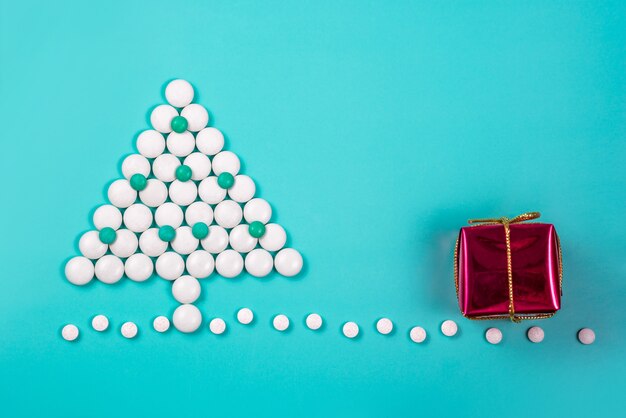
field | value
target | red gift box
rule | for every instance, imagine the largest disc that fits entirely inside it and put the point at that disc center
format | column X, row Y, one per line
column 508, row 269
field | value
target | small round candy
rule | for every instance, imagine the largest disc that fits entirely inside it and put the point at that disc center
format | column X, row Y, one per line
column 274, row 238
column 107, row 216
column 586, row 336
column 161, row 323
column 417, row 334
column 184, row 242
column 79, row 270
column 186, row 289
column 161, row 118
column 314, row 321
column 129, row 330
column 169, row 214
column 241, row 240
column 493, row 335
column 154, row 194
column 138, row 267
column 350, row 329
column 90, row 245
column 107, row 235
column 200, row 264
column 70, row 332
column 216, row 241
column 179, row 93
column 210, row 192
column 226, row 161
column 257, row 210
column 179, row 124
column 245, row 316
column 281, row 322
column 384, row 326
column 228, row 214
column 126, row 243
column 109, row 269
column 183, row 193
column 199, row 212
column 210, row 141
column 196, row 115
column 535, row 334
column 200, row 165
column 167, row 233
column 135, row 164
column 183, row 173
column 170, row 266
column 164, row 167
column 259, row 262
column 449, row 328
column 187, row 318
column 243, row 189
column 138, row 182
column 150, row 143
column 180, row 144
column 256, row 229
column 217, row 326
column 229, row 264
column 288, row 262
column 121, row 194
column 200, row 230
column 100, row 323
column 225, row 180
column 150, row 243
column 138, row 217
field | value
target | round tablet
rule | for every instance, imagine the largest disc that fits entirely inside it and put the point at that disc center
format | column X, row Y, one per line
column 493, row 335
column 229, row 263
column 245, row 316
column 199, row 212
column 150, row 143
column 210, row 191
column 170, row 266
column 200, row 264
column 449, row 328
column 125, row 243
column 154, row 194
column 187, row 318
column 138, row 267
column 109, row 269
column 288, row 262
column 257, row 209
column 169, row 214
column 164, row 167
column 200, row 165
column 241, row 240
column 161, row 118
column 384, row 326
column 228, row 214
column 210, row 141
column 184, row 242
column 100, row 323
column 350, row 329
column 243, row 189
column 535, row 334
column 150, row 243
column 314, row 321
column 183, row 193
column 161, row 323
column 226, row 162
column 121, row 194
column 186, row 289
column 180, row 144
column 90, row 245
column 417, row 334
column 138, row 217
column 281, row 322
column 135, row 164
column 586, row 336
column 196, row 115
column 259, row 262
column 79, row 270
column 107, row 216
column 274, row 238
column 179, row 93
column 216, row 241
column 129, row 330
column 69, row 332
column 217, row 326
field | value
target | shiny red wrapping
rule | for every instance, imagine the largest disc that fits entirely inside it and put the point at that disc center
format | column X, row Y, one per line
column 482, row 270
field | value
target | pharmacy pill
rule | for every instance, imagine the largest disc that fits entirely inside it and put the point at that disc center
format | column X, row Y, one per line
column 150, row 143
column 179, row 93
column 150, row 243
column 180, row 144
column 161, row 118
column 200, row 165
column 79, row 270
column 216, row 241
column 170, row 266
column 417, row 334
column 274, row 238
column 186, row 289
column 125, row 244
column 288, row 262
column 217, row 326
column 187, row 318
column 161, row 323
column 199, row 212
column 314, row 321
column 229, row 263
column 135, row 164
column 100, row 323
column 350, row 329
column 257, row 209
column 169, row 214
column 493, row 335
column 226, row 162
column 138, row 217
column 241, row 240
column 109, row 269
column 535, row 334
column 129, row 330
column 69, row 332
column 184, row 242
column 384, row 326
column 107, row 216
column 449, row 328
column 138, row 267
column 259, row 262
column 228, row 214
column 90, row 245
column 196, row 115
column 245, row 316
column 281, row 322
column 210, row 191
column 210, row 141
column 586, row 336
column 154, row 194
column 200, row 264
column 164, row 167
column 183, row 193
column 121, row 194
column 243, row 189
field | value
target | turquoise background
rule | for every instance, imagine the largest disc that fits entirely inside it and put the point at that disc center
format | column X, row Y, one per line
column 375, row 129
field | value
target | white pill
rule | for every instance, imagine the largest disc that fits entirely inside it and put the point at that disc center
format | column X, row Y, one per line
column 164, row 167
column 449, row 328
column 417, row 334
column 274, row 238
column 150, row 243
column 138, row 267
column 187, row 318
column 186, row 289
column 493, row 335
column 384, row 326
column 281, row 322
column 288, row 262
column 135, row 164
column 350, row 329
column 535, row 334
column 257, row 209
column 180, row 144
column 245, row 316
column 121, row 194
column 125, row 244
column 170, row 266
column 200, row 264
column 161, row 118
column 150, row 143
column 210, row 192
column 169, row 214
column 200, row 165
column 216, row 241
column 184, row 242
column 586, row 336
column 179, row 93
column 129, row 330
column 100, row 323
column 210, row 141
column 154, row 194
column 79, row 270
column 217, row 326
column 69, row 332
column 90, row 245
column 243, row 189
column 138, row 217
column 228, row 214
column 314, row 321
column 199, row 212
column 259, row 262
column 109, row 269
column 183, row 193
column 161, row 323
column 229, row 263
column 197, row 117
column 241, row 240
column 107, row 216
column 226, row 162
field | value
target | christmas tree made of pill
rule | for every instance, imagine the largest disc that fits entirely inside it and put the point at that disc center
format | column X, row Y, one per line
column 182, row 210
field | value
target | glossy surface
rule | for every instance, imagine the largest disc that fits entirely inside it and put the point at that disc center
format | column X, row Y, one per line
column 187, row 318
